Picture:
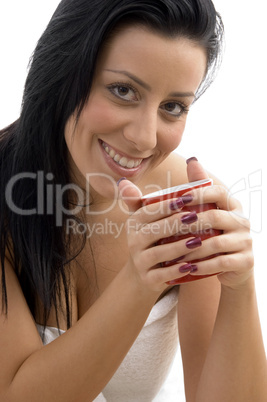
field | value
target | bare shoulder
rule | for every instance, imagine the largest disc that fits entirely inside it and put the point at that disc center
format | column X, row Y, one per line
column 171, row 172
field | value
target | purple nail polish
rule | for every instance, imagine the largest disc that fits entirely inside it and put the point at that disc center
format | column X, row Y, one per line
column 185, row 268
column 194, row 268
column 193, row 243
column 123, row 178
column 189, row 218
column 177, row 204
column 187, row 198
column 191, row 159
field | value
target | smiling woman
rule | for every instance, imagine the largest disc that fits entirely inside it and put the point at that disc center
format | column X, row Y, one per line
column 89, row 310
column 145, row 108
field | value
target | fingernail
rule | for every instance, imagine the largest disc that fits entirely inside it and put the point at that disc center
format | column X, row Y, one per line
column 185, row 268
column 189, row 218
column 187, row 198
column 194, row 268
column 191, row 159
column 177, row 204
column 193, row 243
column 123, row 178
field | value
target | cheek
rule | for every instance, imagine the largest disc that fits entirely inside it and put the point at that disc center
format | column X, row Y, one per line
column 171, row 138
column 100, row 117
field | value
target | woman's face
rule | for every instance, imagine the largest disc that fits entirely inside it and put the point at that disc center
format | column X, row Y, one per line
column 136, row 113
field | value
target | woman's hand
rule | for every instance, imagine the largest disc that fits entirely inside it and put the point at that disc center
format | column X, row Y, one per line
column 145, row 226
column 149, row 224
column 234, row 244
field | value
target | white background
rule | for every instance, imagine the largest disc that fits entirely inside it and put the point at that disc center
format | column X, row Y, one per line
column 226, row 127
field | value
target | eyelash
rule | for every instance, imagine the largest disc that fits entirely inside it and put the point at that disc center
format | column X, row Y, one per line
column 112, row 88
column 116, row 85
column 183, row 106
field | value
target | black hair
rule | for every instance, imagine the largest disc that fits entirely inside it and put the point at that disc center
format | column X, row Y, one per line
column 58, row 84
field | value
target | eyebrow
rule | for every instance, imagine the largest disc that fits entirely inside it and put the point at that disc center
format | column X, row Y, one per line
column 132, row 77
column 183, row 95
column 148, row 87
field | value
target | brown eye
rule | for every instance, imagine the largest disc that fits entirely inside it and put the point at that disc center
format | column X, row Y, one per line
column 124, row 92
column 174, row 109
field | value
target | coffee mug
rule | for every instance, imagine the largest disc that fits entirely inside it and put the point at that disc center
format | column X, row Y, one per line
column 176, row 192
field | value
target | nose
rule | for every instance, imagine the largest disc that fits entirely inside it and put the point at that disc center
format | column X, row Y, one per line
column 142, row 131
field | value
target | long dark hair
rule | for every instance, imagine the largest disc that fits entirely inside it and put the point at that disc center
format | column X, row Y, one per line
column 58, row 84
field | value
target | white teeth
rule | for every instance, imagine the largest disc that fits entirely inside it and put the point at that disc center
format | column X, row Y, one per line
column 121, row 160
column 117, row 158
column 130, row 165
column 112, row 153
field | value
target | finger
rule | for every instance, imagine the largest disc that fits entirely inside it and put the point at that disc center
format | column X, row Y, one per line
column 169, row 275
column 178, row 226
column 130, row 194
column 216, row 194
column 158, row 211
column 148, row 234
column 222, row 244
column 217, row 219
column 170, row 253
column 228, row 265
column 195, row 171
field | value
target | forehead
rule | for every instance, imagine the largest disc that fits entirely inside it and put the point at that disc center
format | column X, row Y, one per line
column 154, row 56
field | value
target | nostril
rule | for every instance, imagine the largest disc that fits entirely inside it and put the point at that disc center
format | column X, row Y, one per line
column 142, row 132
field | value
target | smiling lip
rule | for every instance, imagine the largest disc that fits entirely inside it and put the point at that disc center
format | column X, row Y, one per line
column 120, row 163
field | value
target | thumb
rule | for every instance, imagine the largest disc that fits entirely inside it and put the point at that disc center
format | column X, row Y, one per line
column 130, row 194
column 195, row 171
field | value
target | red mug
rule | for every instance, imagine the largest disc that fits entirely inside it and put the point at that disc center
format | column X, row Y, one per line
column 176, row 192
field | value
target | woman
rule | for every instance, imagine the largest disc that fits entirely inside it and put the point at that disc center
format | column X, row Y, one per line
column 107, row 96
